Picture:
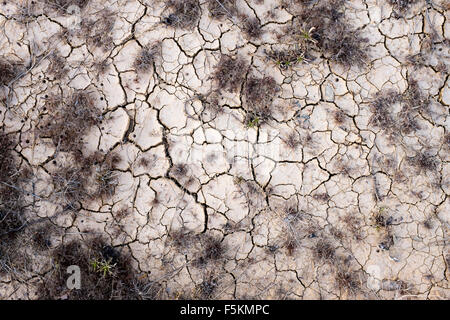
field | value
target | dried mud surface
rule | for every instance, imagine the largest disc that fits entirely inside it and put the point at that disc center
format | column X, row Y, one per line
column 225, row 149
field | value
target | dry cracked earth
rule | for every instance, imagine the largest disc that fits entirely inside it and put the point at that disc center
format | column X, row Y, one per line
column 225, row 149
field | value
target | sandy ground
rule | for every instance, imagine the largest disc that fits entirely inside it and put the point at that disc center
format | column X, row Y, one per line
column 313, row 175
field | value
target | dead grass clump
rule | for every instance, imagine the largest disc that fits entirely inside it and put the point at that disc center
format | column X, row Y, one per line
column 290, row 245
column 323, row 27
column 208, row 287
column 446, row 141
column 106, row 182
column 339, row 116
column 8, row 72
column 181, row 239
column 69, row 118
column 63, row 5
column 259, row 94
column 382, row 113
column 354, row 225
column 185, row 14
column 323, row 251
column 106, row 273
column 323, row 197
column 424, row 161
column 402, row 5
column 88, row 178
column 387, row 242
column 295, row 4
column 57, row 66
column 292, row 141
column 428, row 223
column 146, row 57
column 41, row 236
column 413, row 102
column 27, row 12
column 347, row 280
column 212, row 251
column 220, row 9
column 98, row 31
column 230, row 73
column 103, row 180
column 251, row 27
column 382, row 220
column 252, row 192
column 180, row 170
column 70, row 184
column 12, row 215
column 101, row 66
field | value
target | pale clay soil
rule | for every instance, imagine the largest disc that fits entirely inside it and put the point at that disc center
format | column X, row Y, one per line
column 317, row 174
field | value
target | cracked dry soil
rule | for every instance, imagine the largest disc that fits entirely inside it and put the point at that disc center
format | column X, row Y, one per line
column 225, row 149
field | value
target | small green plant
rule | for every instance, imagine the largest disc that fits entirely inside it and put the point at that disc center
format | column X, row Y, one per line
column 307, row 35
column 254, row 122
column 287, row 58
column 102, row 266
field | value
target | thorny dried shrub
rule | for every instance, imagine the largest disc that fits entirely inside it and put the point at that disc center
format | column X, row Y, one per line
column 259, row 94
column 219, row 9
column 106, row 274
column 230, row 73
column 323, row 27
column 185, row 14
column 67, row 119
